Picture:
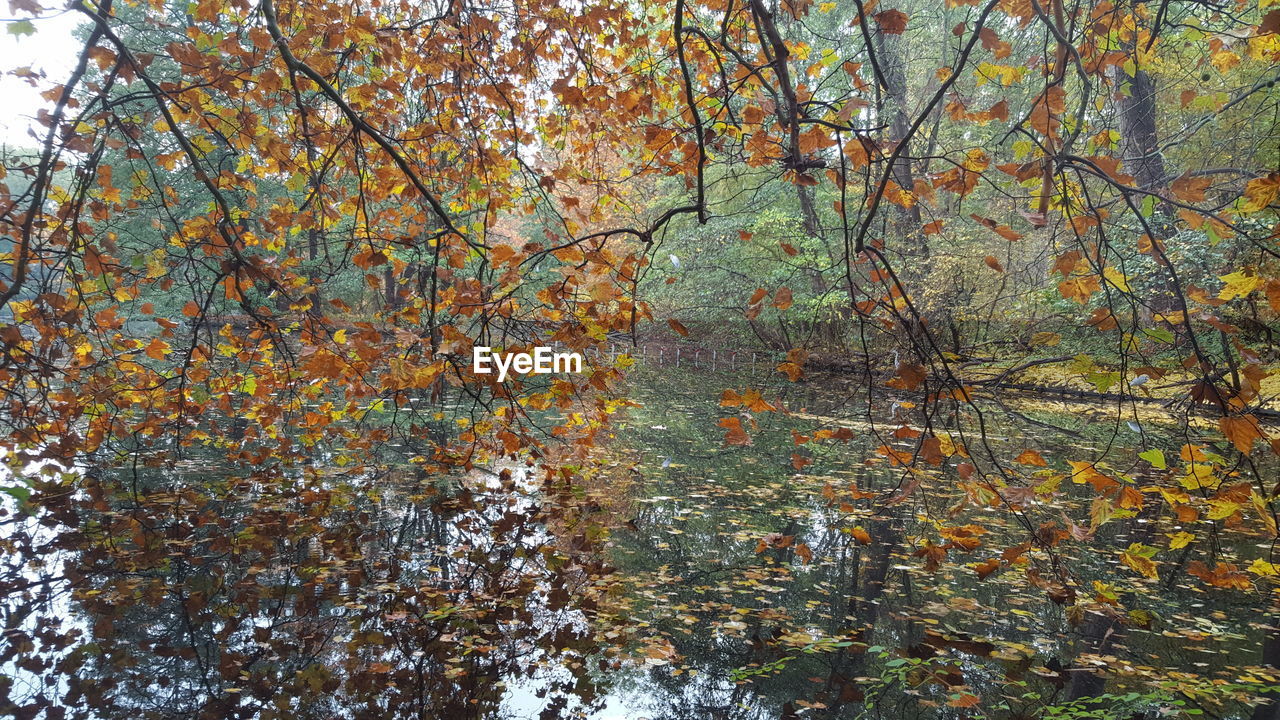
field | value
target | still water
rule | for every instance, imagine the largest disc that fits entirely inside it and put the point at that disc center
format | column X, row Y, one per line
column 805, row 575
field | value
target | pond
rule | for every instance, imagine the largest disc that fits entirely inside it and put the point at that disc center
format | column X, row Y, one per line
column 683, row 573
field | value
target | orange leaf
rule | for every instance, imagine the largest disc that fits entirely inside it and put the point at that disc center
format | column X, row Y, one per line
column 678, row 327
column 1242, row 431
column 735, row 435
column 804, row 553
column 1031, row 457
column 986, row 568
column 964, row 700
column 157, row 349
column 993, row 263
column 1079, row 289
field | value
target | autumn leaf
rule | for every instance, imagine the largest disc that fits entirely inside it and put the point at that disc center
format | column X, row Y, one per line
column 1260, row 193
column 1238, row 284
column 1242, row 430
column 1270, row 24
column 678, row 327
column 910, row 376
column 1003, row 231
column 891, row 22
column 804, row 553
column 993, row 263
column 1031, row 457
column 782, row 298
column 1139, row 558
column 755, row 305
column 983, row 569
column 735, row 434
column 1190, row 189
column 157, row 349
column 1079, row 288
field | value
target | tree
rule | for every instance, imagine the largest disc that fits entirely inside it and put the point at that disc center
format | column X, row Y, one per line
column 266, row 237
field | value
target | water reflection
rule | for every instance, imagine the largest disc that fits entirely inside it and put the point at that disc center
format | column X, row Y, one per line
column 681, row 578
column 786, row 592
column 207, row 596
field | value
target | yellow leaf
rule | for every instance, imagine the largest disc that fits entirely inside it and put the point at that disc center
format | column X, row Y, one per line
column 1222, row 509
column 1199, row 475
column 1261, row 192
column 1180, row 539
column 1238, row 285
column 1138, row 557
column 1117, row 278
column 1262, row 567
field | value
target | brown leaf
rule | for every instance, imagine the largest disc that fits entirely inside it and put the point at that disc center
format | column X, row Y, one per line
column 1003, row 231
column 993, row 263
column 1270, row 23
column 799, row 462
column 891, row 22
column 909, row 377
column 678, row 327
column 782, row 298
column 1190, row 189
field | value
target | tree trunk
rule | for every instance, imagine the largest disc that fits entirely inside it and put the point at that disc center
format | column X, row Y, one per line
column 1139, row 138
column 893, row 66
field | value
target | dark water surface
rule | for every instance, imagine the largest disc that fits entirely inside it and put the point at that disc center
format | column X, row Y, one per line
column 854, row 625
column 685, row 578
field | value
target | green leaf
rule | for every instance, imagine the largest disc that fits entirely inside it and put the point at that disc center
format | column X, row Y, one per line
column 18, row 492
column 22, row 27
column 1103, row 380
column 1161, row 334
column 1155, row 457
column 1212, row 235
